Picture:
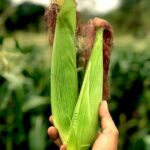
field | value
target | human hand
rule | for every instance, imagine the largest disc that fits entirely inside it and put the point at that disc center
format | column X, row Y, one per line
column 107, row 138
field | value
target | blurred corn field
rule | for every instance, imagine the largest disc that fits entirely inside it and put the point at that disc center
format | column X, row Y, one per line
column 24, row 91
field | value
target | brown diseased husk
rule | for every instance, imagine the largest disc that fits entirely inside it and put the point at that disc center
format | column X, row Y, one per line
column 85, row 36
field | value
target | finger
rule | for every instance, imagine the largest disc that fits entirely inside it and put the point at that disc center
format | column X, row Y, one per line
column 51, row 119
column 107, row 123
column 58, row 142
column 63, row 147
column 52, row 132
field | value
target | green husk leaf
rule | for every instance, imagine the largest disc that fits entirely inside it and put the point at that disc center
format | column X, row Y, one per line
column 64, row 84
column 85, row 123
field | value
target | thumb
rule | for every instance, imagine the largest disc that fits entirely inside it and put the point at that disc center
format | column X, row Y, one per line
column 108, row 137
column 107, row 124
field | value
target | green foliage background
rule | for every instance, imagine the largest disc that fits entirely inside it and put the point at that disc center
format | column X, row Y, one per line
column 25, row 84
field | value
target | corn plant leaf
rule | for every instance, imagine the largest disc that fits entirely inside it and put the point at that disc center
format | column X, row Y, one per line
column 85, row 124
column 38, row 130
column 64, row 86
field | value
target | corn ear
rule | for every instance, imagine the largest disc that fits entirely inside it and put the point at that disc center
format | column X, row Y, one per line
column 64, row 85
column 75, row 115
column 85, row 124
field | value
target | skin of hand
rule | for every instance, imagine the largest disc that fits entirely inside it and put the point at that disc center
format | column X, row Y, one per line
column 107, row 139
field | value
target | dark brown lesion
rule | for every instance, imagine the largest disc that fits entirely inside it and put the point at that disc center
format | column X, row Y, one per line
column 85, row 36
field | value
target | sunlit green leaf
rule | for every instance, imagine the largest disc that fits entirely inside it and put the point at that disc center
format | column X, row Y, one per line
column 35, row 102
column 37, row 132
